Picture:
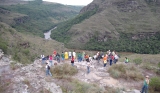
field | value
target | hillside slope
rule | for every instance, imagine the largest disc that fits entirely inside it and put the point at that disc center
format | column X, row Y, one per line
column 130, row 20
column 35, row 17
column 25, row 48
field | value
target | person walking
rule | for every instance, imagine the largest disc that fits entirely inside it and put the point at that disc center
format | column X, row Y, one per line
column 72, row 60
column 48, row 69
column 145, row 85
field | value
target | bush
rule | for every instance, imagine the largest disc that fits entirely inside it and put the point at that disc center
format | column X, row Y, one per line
column 3, row 46
column 76, row 86
column 137, row 61
column 154, row 85
column 63, row 71
column 127, row 72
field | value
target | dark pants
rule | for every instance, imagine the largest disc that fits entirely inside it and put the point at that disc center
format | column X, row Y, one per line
column 105, row 64
column 110, row 62
column 115, row 61
column 144, row 89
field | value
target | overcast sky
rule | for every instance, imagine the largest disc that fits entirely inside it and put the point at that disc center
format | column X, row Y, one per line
column 71, row 2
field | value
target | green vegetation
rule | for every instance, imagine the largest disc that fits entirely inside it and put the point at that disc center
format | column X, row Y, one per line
column 129, row 72
column 137, row 61
column 63, row 71
column 23, row 48
column 39, row 18
column 61, row 33
column 154, row 86
column 125, row 44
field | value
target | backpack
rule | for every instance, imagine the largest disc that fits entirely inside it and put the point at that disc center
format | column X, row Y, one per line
column 49, row 67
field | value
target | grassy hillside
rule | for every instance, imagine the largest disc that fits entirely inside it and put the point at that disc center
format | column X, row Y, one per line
column 123, row 25
column 25, row 48
column 36, row 17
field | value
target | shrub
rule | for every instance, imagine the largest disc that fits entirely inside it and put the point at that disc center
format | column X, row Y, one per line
column 111, row 90
column 127, row 72
column 137, row 61
column 154, row 85
column 63, row 71
column 76, row 86
column 3, row 46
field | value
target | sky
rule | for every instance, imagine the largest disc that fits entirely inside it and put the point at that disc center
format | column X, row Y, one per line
column 71, row 2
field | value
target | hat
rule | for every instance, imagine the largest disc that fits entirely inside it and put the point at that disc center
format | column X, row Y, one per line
column 147, row 76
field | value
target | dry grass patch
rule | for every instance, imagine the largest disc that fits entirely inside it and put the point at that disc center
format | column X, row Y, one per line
column 128, row 72
column 63, row 71
column 76, row 86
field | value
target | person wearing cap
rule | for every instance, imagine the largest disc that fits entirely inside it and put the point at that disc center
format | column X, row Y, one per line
column 145, row 85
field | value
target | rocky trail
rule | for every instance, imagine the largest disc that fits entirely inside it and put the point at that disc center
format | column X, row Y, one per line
column 99, row 75
column 32, row 79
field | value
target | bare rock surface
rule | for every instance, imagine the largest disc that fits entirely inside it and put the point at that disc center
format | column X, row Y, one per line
column 99, row 75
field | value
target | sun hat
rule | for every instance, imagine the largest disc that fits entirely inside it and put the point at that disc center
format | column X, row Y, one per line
column 147, row 76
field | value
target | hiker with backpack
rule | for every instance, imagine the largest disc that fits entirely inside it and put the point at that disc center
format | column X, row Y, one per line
column 48, row 69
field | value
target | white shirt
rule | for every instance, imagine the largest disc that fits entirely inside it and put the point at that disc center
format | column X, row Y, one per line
column 69, row 53
column 116, row 57
column 74, row 54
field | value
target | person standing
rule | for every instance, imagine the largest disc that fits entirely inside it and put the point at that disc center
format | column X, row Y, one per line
column 72, row 60
column 58, row 57
column 74, row 54
column 105, row 61
column 48, row 69
column 66, row 55
column 116, row 58
column 62, row 57
column 70, row 54
column 54, row 54
column 50, row 59
column 145, row 85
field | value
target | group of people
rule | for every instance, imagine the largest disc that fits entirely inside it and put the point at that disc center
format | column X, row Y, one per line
column 109, row 57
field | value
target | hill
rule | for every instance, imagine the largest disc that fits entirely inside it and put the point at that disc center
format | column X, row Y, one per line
column 35, row 17
column 25, row 48
column 123, row 25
